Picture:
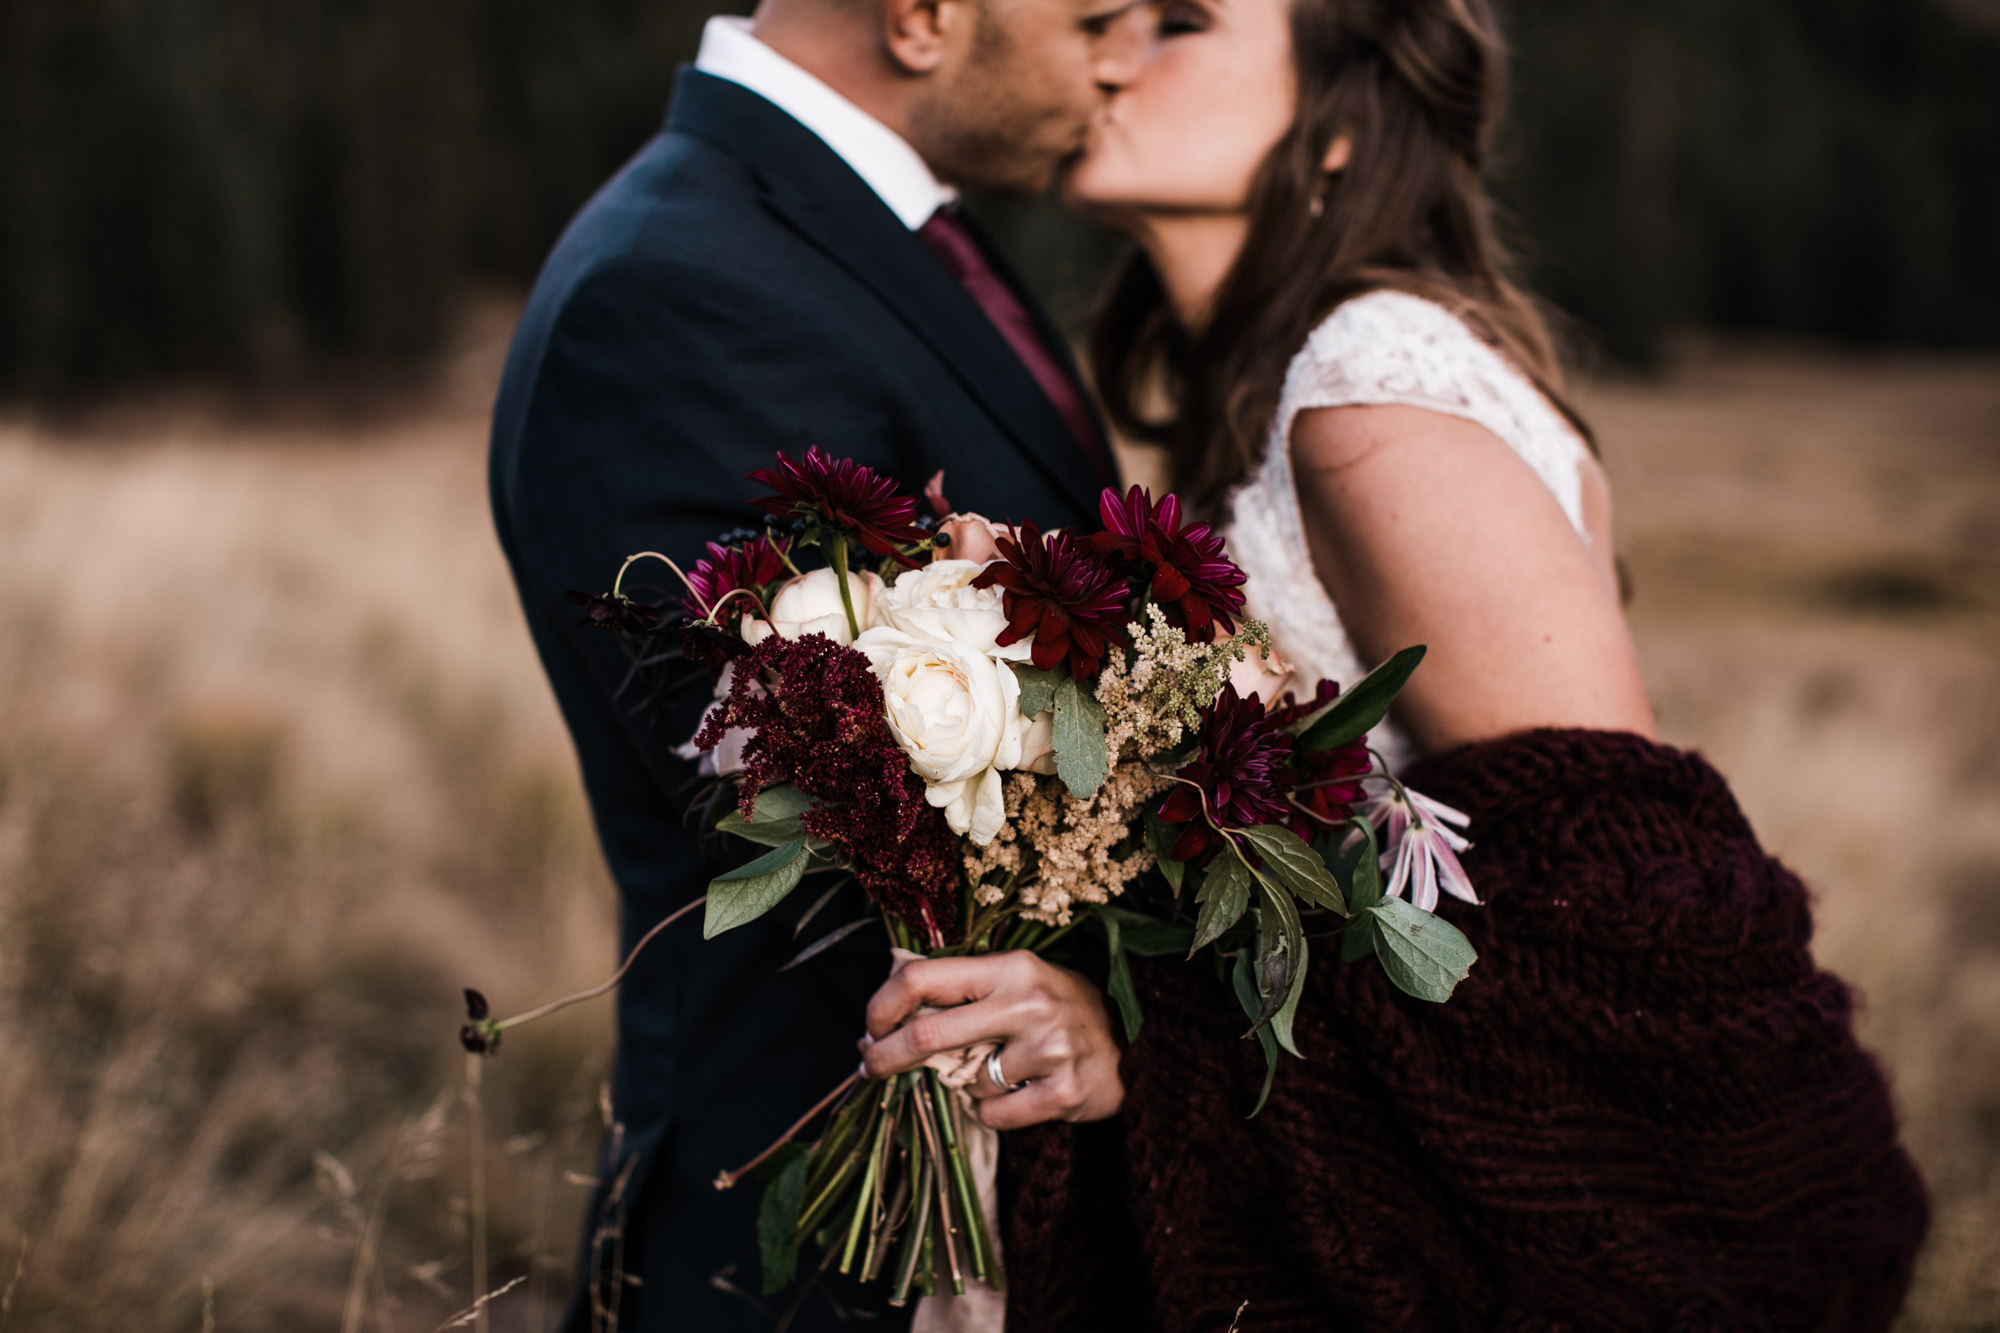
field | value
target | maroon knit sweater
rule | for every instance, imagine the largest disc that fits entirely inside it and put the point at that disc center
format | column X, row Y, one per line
column 1644, row 1110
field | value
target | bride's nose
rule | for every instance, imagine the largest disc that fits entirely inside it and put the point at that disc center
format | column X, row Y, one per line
column 1121, row 52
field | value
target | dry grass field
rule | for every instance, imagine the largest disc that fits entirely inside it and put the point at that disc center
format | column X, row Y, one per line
column 278, row 773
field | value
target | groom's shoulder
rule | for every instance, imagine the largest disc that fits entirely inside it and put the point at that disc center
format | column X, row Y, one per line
column 680, row 204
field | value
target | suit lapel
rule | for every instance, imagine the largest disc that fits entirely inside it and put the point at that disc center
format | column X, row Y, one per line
column 820, row 197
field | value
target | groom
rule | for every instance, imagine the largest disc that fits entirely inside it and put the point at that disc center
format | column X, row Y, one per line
column 784, row 265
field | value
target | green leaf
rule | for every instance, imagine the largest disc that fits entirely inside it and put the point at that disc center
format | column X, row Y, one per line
column 1296, row 866
column 777, row 820
column 749, row 891
column 1281, row 965
column 1355, row 713
column 1224, row 897
column 778, row 1220
column 1081, row 760
column 1365, row 890
column 1119, row 984
column 1160, row 839
column 1281, row 1022
column 1426, row 956
column 1038, row 688
column 1244, row 981
column 1144, row 936
column 1358, row 940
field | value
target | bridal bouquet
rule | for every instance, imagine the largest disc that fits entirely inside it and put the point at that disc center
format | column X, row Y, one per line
column 1004, row 735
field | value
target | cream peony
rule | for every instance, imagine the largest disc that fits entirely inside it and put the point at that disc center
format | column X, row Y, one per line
column 956, row 712
column 939, row 604
column 810, row 604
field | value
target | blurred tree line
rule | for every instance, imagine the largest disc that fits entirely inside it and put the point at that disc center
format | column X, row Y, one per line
column 236, row 188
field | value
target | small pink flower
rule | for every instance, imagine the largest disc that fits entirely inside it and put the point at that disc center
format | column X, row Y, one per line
column 1266, row 675
column 1421, row 839
column 971, row 537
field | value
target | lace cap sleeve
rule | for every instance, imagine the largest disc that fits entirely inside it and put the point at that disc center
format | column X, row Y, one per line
column 1394, row 349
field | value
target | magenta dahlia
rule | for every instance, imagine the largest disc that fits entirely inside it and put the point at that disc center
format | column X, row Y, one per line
column 1194, row 582
column 843, row 494
column 1239, row 776
column 754, row 565
column 1329, row 782
column 1056, row 592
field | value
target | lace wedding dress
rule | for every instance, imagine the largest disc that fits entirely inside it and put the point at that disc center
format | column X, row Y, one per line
column 1383, row 349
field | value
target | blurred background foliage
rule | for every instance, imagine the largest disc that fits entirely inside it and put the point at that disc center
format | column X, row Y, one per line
column 247, row 191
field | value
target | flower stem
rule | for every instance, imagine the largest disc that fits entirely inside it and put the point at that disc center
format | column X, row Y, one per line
column 846, row 595
column 680, row 574
column 729, row 1178
column 566, row 1001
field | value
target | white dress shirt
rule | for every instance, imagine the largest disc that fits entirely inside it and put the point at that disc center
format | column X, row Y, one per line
column 879, row 155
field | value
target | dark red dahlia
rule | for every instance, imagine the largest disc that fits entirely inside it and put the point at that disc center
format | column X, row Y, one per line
column 754, row 565
column 816, row 708
column 1194, row 582
column 1241, row 774
column 1329, row 781
column 841, row 493
column 1058, row 593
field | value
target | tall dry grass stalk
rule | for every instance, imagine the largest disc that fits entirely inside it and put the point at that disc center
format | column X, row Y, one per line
column 278, row 773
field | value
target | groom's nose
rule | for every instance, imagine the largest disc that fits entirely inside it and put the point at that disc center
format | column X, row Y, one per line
column 1121, row 49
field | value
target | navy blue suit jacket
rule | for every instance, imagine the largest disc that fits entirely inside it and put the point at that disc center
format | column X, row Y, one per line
column 734, row 291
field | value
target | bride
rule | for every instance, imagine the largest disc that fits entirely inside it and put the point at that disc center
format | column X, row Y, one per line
column 1646, row 1108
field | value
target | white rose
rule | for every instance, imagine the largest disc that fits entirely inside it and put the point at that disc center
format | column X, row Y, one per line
column 939, row 604
column 956, row 712
column 810, row 604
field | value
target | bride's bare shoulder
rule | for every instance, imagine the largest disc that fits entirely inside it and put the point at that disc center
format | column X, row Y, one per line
column 1427, row 528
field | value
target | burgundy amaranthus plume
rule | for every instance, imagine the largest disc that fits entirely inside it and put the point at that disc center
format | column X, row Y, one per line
column 1241, row 773
column 1197, row 585
column 816, row 708
column 1329, row 781
column 1056, row 591
column 754, row 565
column 841, row 493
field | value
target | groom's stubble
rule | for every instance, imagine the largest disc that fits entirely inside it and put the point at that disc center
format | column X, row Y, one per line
column 1017, row 107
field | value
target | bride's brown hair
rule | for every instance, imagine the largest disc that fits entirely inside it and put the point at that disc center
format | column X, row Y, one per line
column 1416, row 85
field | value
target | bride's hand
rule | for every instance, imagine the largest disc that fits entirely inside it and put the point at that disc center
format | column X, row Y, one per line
column 1051, row 1023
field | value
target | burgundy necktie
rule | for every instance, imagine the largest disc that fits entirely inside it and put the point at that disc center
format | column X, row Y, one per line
column 952, row 243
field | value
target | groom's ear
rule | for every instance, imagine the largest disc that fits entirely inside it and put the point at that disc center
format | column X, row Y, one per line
column 918, row 33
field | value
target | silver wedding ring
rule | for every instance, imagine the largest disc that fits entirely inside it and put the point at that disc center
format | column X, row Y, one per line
column 1000, row 1079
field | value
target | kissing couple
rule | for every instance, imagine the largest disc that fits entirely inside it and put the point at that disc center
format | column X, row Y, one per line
column 1645, row 1109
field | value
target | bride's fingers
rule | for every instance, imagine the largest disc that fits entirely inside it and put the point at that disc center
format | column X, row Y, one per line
column 925, row 1035
column 1057, row 1096
column 1018, row 1066
column 942, row 983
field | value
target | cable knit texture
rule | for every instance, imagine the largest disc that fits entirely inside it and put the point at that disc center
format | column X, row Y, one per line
column 1644, row 1110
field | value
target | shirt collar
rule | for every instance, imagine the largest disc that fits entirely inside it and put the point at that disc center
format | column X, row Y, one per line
column 877, row 154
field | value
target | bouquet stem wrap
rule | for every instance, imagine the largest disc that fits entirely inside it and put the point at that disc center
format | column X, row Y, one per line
column 983, row 1307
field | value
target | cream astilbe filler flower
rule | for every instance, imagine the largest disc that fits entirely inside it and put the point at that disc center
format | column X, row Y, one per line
column 957, row 713
column 1155, row 696
column 810, row 604
column 1067, row 849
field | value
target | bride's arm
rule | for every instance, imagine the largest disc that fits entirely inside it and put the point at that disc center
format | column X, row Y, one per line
column 1428, row 529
